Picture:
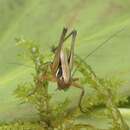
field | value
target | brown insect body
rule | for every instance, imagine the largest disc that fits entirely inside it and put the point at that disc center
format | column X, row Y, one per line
column 63, row 62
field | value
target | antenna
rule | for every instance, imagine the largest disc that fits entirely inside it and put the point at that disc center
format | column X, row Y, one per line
column 104, row 42
column 99, row 46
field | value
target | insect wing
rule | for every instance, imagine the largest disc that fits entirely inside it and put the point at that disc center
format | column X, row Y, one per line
column 65, row 66
column 56, row 60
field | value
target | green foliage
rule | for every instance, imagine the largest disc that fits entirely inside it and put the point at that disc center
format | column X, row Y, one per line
column 57, row 115
column 21, row 126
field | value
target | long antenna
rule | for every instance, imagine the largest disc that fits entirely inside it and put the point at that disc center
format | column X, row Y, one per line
column 104, row 42
column 99, row 46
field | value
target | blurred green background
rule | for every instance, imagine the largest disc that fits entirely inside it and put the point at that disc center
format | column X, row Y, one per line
column 42, row 21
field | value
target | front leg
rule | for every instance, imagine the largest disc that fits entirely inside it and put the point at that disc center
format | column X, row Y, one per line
column 56, row 60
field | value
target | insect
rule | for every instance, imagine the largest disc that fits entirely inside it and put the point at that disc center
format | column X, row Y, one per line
column 62, row 65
